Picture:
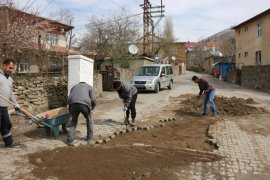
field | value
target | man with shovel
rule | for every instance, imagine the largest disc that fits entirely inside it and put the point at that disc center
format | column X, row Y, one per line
column 209, row 92
column 128, row 93
column 6, row 91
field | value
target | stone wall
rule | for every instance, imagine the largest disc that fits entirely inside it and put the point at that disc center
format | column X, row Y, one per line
column 98, row 84
column 38, row 94
column 256, row 77
column 231, row 76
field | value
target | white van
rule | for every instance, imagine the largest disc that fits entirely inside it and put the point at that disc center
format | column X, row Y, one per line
column 153, row 77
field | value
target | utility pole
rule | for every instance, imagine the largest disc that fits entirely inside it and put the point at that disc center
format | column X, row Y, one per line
column 150, row 12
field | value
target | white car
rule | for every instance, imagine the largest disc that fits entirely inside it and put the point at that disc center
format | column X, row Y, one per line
column 153, row 77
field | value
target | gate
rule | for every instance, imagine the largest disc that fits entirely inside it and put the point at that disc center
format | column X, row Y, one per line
column 107, row 80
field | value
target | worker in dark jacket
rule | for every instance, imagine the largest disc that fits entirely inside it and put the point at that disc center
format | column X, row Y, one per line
column 6, row 90
column 82, row 99
column 209, row 92
column 128, row 93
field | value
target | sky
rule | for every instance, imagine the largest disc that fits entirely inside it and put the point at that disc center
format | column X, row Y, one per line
column 192, row 19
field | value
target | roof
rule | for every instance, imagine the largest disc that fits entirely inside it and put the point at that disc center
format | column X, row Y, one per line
column 190, row 44
column 67, row 27
column 252, row 19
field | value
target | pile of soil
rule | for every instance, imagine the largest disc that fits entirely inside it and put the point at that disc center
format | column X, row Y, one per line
column 225, row 106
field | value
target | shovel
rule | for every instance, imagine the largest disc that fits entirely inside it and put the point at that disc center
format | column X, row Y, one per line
column 34, row 118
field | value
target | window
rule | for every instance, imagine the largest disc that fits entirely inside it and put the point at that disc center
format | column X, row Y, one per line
column 246, row 54
column 246, row 29
column 174, row 51
column 55, row 65
column 258, row 57
column 163, row 70
column 53, row 62
column 239, row 31
column 52, row 39
column 169, row 70
column 239, row 55
column 259, row 30
column 23, row 66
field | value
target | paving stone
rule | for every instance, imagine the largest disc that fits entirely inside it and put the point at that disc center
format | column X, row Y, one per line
column 99, row 141
column 112, row 136
column 146, row 128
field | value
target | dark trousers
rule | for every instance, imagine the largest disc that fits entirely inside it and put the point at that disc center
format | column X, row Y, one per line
column 75, row 110
column 132, row 107
column 5, row 126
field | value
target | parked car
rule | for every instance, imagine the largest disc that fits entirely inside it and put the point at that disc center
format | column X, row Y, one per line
column 153, row 77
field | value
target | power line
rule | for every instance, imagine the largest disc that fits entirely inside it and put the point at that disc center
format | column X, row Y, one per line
column 132, row 15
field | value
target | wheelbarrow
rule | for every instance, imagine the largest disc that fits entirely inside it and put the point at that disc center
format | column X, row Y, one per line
column 51, row 120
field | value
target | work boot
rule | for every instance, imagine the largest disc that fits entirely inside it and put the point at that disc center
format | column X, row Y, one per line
column 14, row 144
column 204, row 114
column 214, row 115
column 132, row 122
column 74, row 142
column 89, row 138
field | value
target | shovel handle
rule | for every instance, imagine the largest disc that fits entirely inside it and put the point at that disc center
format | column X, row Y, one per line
column 23, row 110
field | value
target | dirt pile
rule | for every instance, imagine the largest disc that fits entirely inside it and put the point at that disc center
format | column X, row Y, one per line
column 225, row 106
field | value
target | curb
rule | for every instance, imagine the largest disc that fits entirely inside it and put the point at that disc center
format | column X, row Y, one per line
column 130, row 129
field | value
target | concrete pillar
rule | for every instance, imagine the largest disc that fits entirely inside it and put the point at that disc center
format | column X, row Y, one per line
column 80, row 69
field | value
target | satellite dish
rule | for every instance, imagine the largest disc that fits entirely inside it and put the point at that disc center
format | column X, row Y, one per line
column 133, row 49
column 173, row 58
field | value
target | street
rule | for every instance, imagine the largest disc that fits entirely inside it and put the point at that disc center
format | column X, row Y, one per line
column 177, row 151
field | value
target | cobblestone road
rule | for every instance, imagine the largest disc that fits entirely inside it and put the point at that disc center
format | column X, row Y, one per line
column 246, row 156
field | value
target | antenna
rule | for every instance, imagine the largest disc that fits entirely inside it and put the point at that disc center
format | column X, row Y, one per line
column 133, row 49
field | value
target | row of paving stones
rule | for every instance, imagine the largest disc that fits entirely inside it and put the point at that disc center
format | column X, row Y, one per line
column 104, row 132
column 245, row 156
column 15, row 162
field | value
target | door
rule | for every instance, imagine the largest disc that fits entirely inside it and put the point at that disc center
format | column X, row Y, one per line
column 107, row 80
column 163, row 77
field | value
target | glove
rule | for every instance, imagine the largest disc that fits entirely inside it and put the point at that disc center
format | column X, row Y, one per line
column 17, row 108
column 125, row 109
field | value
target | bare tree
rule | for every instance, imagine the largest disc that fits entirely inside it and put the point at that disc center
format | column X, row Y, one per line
column 66, row 17
column 227, row 46
column 168, row 35
column 111, row 36
column 20, row 27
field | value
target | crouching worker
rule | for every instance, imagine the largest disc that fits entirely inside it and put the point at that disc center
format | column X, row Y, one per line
column 128, row 93
column 82, row 99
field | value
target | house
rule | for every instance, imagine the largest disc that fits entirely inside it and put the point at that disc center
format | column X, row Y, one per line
column 177, row 52
column 252, row 41
column 38, row 44
column 196, row 53
column 201, row 53
column 252, row 52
